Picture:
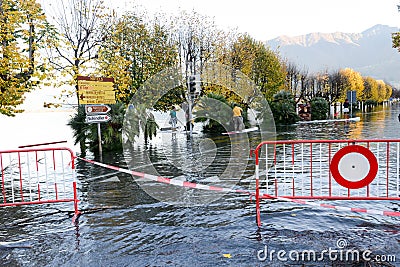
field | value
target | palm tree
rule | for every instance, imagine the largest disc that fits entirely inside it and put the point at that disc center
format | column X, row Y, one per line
column 215, row 111
column 86, row 134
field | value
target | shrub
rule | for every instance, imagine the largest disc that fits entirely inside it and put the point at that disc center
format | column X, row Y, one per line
column 86, row 134
column 215, row 106
column 319, row 108
column 283, row 108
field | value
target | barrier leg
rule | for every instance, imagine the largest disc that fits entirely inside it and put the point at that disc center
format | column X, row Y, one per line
column 258, row 219
column 77, row 212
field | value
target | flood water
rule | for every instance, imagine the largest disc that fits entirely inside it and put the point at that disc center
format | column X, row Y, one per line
column 124, row 224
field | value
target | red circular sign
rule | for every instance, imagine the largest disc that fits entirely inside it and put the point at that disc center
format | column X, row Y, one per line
column 354, row 166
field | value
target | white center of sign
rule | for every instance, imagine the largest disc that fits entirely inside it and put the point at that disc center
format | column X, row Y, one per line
column 353, row 167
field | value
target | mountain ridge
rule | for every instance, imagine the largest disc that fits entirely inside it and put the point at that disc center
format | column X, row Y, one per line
column 369, row 52
column 312, row 38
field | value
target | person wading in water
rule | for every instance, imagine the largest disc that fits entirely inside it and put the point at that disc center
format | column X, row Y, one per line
column 237, row 117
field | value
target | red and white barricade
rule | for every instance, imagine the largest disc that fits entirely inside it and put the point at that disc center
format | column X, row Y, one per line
column 38, row 176
column 327, row 169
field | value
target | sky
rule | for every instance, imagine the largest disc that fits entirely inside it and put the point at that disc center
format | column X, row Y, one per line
column 267, row 19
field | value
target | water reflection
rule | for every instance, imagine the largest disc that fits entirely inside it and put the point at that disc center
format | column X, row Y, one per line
column 378, row 124
column 203, row 159
column 123, row 225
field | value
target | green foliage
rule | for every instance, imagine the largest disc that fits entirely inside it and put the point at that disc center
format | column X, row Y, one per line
column 268, row 72
column 112, row 130
column 207, row 108
column 283, row 108
column 216, row 113
column 135, row 51
column 174, row 96
column 151, row 127
column 133, row 118
column 319, row 108
column 138, row 120
column 86, row 134
column 396, row 40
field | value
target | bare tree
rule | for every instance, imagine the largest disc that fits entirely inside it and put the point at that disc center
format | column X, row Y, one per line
column 322, row 85
column 336, row 87
column 81, row 26
column 311, row 87
column 292, row 77
column 302, row 92
column 198, row 40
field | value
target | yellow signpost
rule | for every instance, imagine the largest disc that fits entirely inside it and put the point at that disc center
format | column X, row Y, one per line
column 94, row 90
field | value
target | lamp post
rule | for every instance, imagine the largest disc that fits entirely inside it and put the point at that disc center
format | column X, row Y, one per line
column 194, row 88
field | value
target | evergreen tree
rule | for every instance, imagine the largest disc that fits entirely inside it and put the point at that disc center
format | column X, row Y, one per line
column 283, row 108
column 319, row 108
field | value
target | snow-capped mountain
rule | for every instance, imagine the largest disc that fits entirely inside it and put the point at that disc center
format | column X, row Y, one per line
column 369, row 52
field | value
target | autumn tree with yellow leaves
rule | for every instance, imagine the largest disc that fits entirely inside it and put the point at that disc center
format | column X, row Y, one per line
column 259, row 63
column 353, row 81
column 384, row 91
column 370, row 89
column 23, row 31
column 132, row 51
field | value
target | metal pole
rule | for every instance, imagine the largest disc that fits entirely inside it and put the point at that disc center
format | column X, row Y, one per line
column 99, row 136
column 190, row 104
column 351, row 104
column 190, row 114
column 43, row 144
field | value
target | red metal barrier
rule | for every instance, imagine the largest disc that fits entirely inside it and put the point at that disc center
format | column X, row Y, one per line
column 327, row 169
column 38, row 176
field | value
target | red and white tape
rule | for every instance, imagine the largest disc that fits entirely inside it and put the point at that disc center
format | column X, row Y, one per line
column 229, row 190
column 165, row 180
